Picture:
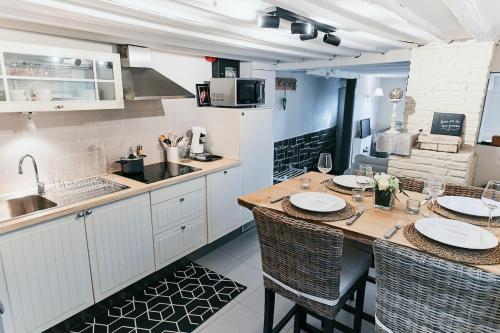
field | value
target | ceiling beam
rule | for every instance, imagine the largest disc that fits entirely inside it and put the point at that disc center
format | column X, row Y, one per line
column 395, row 6
column 393, row 56
column 343, row 19
column 470, row 17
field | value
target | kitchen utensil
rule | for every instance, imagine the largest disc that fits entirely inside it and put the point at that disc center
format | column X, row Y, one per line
column 172, row 154
column 275, row 200
column 466, row 205
column 456, row 233
column 349, row 181
column 132, row 163
column 393, row 230
column 355, row 217
column 317, row 202
column 162, row 138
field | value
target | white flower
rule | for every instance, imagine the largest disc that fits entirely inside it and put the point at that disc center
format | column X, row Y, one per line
column 383, row 183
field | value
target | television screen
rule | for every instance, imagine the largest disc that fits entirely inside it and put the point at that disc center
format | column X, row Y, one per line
column 364, row 125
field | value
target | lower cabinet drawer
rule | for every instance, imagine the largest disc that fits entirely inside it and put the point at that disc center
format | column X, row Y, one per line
column 177, row 242
column 173, row 212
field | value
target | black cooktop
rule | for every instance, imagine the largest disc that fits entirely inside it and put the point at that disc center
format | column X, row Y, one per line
column 159, row 171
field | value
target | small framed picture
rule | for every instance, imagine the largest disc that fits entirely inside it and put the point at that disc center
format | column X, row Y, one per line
column 203, row 94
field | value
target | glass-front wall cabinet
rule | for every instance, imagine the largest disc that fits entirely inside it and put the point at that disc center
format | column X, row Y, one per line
column 58, row 79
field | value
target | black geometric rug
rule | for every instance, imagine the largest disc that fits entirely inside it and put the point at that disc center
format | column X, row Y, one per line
column 178, row 302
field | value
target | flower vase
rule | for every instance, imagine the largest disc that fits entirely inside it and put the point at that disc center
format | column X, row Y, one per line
column 383, row 199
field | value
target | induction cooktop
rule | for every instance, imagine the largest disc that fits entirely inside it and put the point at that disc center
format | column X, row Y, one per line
column 159, row 171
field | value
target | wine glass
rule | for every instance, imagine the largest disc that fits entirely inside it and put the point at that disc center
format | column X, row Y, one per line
column 434, row 188
column 491, row 197
column 364, row 176
column 324, row 166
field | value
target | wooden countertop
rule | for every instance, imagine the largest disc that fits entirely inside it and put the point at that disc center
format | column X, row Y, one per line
column 373, row 224
column 135, row 188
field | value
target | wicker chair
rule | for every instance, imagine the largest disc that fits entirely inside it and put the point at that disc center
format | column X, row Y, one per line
column 412, row 184
column 420, row 293
column 463, row 190
column 305, row 263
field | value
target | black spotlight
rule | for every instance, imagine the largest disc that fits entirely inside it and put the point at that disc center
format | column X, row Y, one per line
column 302, row 28
column 269, row 21
column 331, row 39
column 310, row 36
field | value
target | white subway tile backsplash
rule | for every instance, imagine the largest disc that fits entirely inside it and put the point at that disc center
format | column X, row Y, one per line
column 64, row 144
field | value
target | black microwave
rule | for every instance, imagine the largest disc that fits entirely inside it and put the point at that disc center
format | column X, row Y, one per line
column 235, row 92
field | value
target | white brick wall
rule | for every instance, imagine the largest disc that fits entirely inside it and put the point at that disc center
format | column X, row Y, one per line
column 424, row 164
column 449, row 78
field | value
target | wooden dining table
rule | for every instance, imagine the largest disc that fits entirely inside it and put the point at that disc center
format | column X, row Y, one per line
column 371, row 225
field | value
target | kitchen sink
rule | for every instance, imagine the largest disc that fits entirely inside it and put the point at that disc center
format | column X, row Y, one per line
column 15, row 207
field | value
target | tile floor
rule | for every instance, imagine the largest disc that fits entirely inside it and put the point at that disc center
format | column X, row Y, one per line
column 239, row 260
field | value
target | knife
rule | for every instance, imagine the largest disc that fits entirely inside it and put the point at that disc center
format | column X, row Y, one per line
column 278, row 199
column 393, row 230
column 354, row 218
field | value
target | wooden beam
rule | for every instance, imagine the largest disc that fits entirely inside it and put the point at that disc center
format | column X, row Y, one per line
column 401, row 55
column 343, row 19
column 433, row 33
column 470, row 17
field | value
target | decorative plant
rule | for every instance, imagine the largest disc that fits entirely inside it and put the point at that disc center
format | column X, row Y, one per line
column 388, row 186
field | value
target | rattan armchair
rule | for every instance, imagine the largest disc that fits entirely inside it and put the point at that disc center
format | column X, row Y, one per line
column 412, row 184
column 303, row 262
column 463, row 190
column 417, row 292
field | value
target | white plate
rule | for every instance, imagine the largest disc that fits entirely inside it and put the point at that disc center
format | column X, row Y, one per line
column 350, row 181
column 456, row 233
column 317, row 202
column 466, row 205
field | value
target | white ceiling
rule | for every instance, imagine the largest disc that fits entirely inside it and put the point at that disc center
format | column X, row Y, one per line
column 228, row 28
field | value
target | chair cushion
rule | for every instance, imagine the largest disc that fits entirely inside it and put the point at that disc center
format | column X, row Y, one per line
column 355, row 263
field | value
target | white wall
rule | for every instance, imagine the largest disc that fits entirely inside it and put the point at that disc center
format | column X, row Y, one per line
column 312, row 107
column 383, row 112
column 365, row 104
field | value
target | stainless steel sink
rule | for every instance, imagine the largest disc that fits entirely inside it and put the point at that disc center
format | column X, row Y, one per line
column 11, row 208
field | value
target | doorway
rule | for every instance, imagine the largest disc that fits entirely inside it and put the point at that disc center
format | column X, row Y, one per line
column 344, row 126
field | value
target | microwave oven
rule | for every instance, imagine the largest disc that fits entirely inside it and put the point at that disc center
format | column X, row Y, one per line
column 236, row 92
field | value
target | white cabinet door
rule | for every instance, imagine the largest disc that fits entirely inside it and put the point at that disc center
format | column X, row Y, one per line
column 177, row 242
column 256, row 152
column 224, row 214
column 46, row 274
column 120, row 242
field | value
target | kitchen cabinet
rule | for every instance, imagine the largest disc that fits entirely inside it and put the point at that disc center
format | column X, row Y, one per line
column 42, row 78
column 245, row 135
column 46, row 274
column 179, row 241
column 223, row 212
column 120, row 244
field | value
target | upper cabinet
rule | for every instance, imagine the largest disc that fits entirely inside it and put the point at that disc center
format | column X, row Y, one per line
column 41, row 78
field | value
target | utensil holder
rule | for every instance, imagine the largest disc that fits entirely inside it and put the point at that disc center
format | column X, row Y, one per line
column 172, row 154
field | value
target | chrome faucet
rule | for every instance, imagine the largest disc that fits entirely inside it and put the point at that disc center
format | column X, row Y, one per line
column 40, row 185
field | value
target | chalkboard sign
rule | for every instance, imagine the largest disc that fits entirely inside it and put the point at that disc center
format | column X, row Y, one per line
column 448, row 124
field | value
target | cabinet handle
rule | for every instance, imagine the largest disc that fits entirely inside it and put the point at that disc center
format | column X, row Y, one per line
column 60, row 106
column 225, row 172
column 181, row 199
column 243, row 113
column 88, row 212
column 81, row 214
column 183, row 228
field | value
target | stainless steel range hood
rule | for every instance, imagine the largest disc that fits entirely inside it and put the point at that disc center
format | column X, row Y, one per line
column 141, row 82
